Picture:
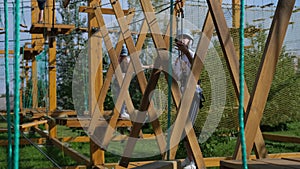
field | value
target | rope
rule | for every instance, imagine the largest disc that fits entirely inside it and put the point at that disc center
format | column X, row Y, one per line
column 9, row 152
column 17, row 86
column 170, row 79
column 241, row 99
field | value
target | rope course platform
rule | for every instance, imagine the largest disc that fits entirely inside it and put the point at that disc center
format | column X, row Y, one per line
column 287, row 163
column 30, row 53
column 75, row 122
column 107, row 11
column 41, row 28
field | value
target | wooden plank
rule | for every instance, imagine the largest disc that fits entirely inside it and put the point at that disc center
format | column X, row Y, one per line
column 62, row 113
column 72, row 167
column 236, row 164
column 78, row 139
column 71, row 152
column 10, row 52
column 232, row 63
column 160, row 165
column 281, row 138
column 83, row 122
column 95, row 66
column 215, row 161
column 292, row 159
column 282, row 163
column 24, row 141
column 106, row 11
column 266, row 72
column 27, row 125
column 50, row 29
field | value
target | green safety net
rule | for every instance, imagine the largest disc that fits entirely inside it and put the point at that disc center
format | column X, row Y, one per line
column 42, row 80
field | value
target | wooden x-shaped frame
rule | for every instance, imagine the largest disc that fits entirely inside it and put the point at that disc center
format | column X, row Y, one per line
column 263, row 84
column 254, row 104
column 124, row 96
column 163, row 61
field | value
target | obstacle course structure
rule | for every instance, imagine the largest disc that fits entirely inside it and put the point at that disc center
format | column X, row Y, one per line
column 101, row 129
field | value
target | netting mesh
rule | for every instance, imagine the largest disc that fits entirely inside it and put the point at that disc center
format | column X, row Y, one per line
column 282, row 101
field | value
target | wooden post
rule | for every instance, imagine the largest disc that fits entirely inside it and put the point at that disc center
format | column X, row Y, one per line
column 95, row 80
column 49, row 16
column 235, row 25
column 265, row 74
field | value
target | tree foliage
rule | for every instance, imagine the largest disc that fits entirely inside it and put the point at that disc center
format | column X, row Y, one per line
column 68, row 49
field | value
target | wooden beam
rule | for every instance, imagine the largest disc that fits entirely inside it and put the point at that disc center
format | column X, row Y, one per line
column 105, row 11
column 281, row 138
column 10, row 52
column 95, row 80
column 232, row 62
column 24, row 141
column 50, row 29
column 160, row 165
column 71, row 152
column 27, row 125
column 40, row 132
column 78, row 139
column 266, row 72
column 72, row 167
column 113, row 122
column 134, row 54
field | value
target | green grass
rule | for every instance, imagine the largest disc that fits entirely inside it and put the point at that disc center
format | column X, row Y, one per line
column 219, row 145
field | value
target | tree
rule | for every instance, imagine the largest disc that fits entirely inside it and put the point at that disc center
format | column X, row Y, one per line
column 68, row 49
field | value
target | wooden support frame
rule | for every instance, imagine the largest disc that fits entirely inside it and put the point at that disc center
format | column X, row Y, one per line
column 233, row 65
column 113, row 53
column 251, row 101
column 95, row 65
column 265, row 74
column 147, row 8
column 106, row 11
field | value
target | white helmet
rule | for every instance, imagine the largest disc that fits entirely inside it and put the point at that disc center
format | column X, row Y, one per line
column 186, row 33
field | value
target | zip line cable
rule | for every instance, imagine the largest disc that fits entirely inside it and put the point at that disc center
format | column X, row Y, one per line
column 34, row 145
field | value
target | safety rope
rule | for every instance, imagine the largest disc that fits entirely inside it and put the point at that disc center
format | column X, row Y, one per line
column 241, row 98
column 17, row 85
column 7, row 79
column 170, row 78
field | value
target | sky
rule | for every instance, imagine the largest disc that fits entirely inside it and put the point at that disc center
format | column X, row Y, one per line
column 292, row 37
